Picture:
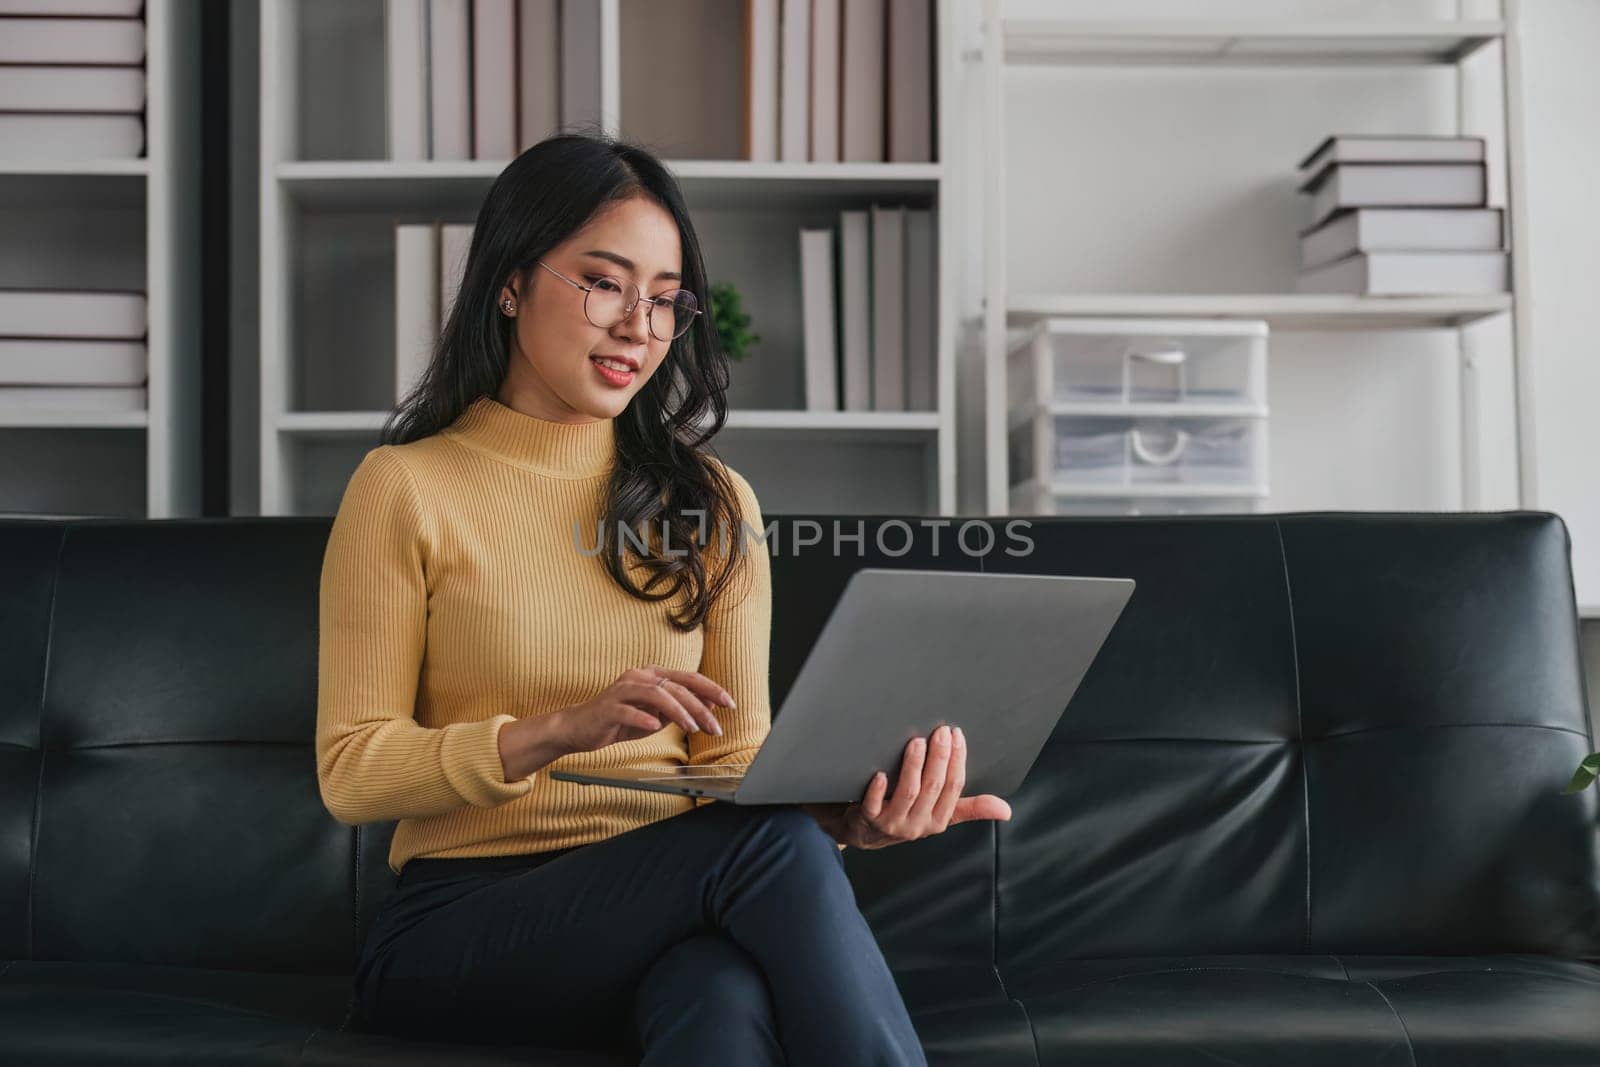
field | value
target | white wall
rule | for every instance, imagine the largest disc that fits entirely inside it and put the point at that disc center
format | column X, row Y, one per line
column 1561, row 108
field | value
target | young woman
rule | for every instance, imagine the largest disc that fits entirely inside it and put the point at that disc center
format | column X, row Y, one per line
column 528, row 571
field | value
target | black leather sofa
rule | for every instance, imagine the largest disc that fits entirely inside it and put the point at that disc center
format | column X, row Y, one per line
column 1305, row 808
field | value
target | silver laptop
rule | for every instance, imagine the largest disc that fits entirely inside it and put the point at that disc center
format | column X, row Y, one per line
column 904, row 651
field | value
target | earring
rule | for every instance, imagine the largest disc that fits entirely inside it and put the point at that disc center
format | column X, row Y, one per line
column 509, row 307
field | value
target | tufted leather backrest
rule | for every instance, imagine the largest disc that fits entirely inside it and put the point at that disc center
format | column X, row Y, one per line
column 1341, row 732
column 1307, row 733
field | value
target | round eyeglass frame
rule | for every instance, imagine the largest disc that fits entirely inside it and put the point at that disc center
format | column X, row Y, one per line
column 655, row 302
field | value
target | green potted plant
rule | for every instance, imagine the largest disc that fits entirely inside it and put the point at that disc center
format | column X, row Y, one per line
column 733, row 325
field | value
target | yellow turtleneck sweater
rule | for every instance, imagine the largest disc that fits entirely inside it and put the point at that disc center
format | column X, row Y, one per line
column 455, row 598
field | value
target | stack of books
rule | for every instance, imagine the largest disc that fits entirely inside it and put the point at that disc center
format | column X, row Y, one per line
column 430, row 259
column 1400, row 216
column 869, row 298
column 839, row 80
column 72, row 351
column 485, row 79
column 72, row 86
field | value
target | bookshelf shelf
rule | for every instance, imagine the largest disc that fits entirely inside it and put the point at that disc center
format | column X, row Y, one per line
column 136, row 168
column 75, row 420
column 388, row 185
column 1167, row 490
column 1282, row 311
column 1246, row 43
column 1060, row 409
column 326, row 371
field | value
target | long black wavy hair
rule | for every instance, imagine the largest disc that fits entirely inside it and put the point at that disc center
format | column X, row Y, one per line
column 664, row 465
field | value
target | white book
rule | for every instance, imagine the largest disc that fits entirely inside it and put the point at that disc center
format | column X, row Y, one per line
column 455, row 239
column 1344, row 148
column 71, row 137
column 1409, row 274
column 922, row 302
column 416, row 301
column 71, row 314
column 825, row 81
column 818, row 319
column 1403, row 229
column 119, row 89
column 85, row 40
column 538, row 71
column 494, row 79
column 103, row 8
column 580, row 63
column 910, row 84
column 50, row 362
column 761, row 65
column 406, row 78
column 1343, row 185
column 888, row 308
column 855, row 307
column 861, row 91
column 450, row 78
column 794, row 107
column 75, row 398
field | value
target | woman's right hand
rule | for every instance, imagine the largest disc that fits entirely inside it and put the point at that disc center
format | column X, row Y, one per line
column 640, row 702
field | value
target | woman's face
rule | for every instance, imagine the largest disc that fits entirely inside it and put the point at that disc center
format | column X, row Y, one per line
column 552, row 373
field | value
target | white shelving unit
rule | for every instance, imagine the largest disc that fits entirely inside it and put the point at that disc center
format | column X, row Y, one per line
column 329, row 202
column 118, row 224
column 1288, row 46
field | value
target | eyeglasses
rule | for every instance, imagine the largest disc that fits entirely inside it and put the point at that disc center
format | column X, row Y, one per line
column 610, row 300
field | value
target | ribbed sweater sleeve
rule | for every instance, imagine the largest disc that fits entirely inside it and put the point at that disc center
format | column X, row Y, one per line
column 738, row 636
column 375, row 762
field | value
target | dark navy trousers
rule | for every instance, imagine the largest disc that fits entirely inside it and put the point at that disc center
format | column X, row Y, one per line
column 729, row 933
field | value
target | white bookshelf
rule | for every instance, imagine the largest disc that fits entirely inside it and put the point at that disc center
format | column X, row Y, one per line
column 118, row 224
column 329, row 201
column 1472, row 63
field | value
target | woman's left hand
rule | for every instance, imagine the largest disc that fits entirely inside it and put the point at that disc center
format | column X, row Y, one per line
column 927, row 800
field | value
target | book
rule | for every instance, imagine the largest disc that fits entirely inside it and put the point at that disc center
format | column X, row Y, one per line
column 922, row 302
column 580, row 63
column 75, row 40
column 455, row 240
column 1403, row 229
column 103, row 89
column 910, row 81
column 416, row 301
column 494, row 79
column 888, row 308
column 825, row 81
column 818, row 319
column 855, row 309
column 761, row 60
column 861, row 89
column 105, row 8
column 65, row 313
column 45, row 361
column 406, row 78
column 71, row 137
column 1346, row 185
column 1409, row 274
column 538, row 71
column 450, row 78
column 110, row 398
column 1347, row 148
column 794, row 78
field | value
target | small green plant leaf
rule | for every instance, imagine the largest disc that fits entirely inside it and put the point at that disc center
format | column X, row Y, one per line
column 731, row 322
column 1586, row 773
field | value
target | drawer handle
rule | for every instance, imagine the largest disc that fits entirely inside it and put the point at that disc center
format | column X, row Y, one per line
column 1158, row 459
column 1170, row 355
